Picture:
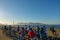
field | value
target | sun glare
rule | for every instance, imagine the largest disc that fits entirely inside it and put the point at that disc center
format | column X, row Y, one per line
column 6, row 23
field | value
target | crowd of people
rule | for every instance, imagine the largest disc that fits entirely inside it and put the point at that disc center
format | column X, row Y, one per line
column 26, row 33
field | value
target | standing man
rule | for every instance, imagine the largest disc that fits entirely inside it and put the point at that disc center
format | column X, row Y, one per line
column 37, row 33
column 44, row 30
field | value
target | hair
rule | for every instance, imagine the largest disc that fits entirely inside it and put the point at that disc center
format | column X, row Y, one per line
column 41, row 29
column 30, row 29
column 43, row 26
column 29, row 25
column 22, row 28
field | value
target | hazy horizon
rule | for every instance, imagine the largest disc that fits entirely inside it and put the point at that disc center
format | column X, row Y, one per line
column 41, row 11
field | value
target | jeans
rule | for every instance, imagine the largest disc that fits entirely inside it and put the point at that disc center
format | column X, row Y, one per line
column 21, row 37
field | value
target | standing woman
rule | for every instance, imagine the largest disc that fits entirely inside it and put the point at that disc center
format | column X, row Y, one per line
column 21, row 34
column 31, row 34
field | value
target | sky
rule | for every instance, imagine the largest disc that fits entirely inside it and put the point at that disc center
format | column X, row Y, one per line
column 43, row 11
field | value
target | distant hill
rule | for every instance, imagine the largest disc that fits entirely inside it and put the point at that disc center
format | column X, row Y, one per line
column 30, row 23
column 39, row 24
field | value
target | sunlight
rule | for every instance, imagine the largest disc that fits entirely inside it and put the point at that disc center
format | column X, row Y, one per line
column 2, row 22
column 5, row 23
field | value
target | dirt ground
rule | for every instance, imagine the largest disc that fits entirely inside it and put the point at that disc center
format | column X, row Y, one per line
column 3, row 37
column 49, row 33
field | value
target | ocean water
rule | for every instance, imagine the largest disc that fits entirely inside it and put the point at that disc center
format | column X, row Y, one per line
column 34, row 26
column 56, row 26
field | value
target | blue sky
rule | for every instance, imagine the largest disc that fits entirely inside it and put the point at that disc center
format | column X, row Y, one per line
column 43, row 11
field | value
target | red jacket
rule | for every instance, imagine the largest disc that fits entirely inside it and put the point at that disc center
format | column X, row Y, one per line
column 31, row 34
